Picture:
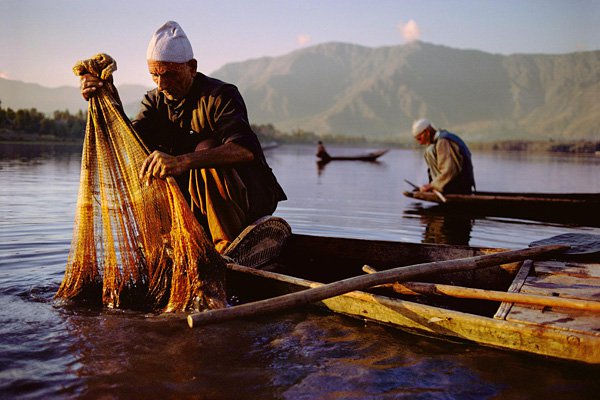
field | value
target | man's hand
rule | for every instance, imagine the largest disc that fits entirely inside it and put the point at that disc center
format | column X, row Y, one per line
column 426, row 188
column 160, row 165
column 89, row 85
column 429, row 188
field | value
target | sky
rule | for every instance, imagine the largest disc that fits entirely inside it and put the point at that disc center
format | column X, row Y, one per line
column 41, row 40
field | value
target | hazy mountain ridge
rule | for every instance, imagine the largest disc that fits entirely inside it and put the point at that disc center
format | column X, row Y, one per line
column 356, row 90
column 341, row 88
column 22, row 95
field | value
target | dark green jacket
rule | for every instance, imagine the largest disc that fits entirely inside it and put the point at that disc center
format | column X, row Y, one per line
column 212, row 110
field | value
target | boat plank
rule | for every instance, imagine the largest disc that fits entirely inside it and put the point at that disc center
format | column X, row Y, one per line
column 515, row 287
column 563, row 279
column 581, row 270
column 569, row 320
column 563, row 286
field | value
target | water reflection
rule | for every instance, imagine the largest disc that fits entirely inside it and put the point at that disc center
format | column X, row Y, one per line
column 321, row 164
column 66, row 353
column 550, row 215
column 130, row 356
column 447, row 229
column 442, row 227
column 32, row 151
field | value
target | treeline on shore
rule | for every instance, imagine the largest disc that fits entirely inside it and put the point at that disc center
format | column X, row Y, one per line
column 30, row 125
column 552, row 146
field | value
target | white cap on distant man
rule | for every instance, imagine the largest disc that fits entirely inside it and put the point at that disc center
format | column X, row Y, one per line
column 170, row 44
column 420, row 125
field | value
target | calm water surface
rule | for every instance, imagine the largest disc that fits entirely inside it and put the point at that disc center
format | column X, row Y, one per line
column 47, row 351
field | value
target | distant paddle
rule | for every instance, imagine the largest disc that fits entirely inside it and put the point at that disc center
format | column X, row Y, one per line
column 411, row 184
column 437, row 192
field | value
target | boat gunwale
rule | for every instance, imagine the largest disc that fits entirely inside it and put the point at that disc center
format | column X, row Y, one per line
column 510, row 197
column 442, row 323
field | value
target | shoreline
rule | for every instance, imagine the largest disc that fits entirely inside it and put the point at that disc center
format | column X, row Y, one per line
column 579, row 147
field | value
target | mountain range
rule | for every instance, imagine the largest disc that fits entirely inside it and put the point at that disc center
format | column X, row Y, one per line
column 340, row 88
column 21, row 95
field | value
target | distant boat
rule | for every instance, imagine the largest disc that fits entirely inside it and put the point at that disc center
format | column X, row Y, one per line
column 372, row 156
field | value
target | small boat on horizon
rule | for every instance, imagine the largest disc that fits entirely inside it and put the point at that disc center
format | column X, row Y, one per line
column 324, row 157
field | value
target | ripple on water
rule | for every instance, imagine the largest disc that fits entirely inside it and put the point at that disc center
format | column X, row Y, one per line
column 48, row 351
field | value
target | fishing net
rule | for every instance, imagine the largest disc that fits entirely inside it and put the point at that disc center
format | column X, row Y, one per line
column 134, row 245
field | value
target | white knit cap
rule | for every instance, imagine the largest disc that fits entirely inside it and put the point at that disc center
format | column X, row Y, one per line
column 420, row 125
column 170, row 44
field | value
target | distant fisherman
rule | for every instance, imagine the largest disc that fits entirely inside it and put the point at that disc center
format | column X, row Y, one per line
column 448, row 159
column 322, row 154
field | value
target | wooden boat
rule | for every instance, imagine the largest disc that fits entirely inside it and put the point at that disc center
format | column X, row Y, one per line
column 562, row 333
column 568, row 207
column 372, row 156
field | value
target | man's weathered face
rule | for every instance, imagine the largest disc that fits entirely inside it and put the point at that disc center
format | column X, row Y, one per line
column 173, row 79
column 423, row 137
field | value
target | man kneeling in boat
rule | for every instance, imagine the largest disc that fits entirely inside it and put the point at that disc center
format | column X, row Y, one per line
column 198, row 131
column 448, row 159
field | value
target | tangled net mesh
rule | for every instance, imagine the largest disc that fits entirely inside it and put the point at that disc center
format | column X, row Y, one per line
column 134, row 245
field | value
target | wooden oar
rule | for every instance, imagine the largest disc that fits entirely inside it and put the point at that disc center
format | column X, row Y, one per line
column 439, row 195
column 364, row 281
column 414, row 288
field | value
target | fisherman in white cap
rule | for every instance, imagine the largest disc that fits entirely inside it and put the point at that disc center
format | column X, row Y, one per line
column 448, row 159
column 198, row 130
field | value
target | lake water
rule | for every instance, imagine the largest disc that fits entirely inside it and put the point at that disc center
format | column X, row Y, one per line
column 48, row 352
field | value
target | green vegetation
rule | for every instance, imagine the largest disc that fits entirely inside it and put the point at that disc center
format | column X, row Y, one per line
column 267, row 133
column 32, row 125
column 552, row 146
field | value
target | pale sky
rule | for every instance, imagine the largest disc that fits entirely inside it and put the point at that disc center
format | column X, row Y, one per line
column 40, row 40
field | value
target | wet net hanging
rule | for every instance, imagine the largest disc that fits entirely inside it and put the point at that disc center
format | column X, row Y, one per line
column 134, row 245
